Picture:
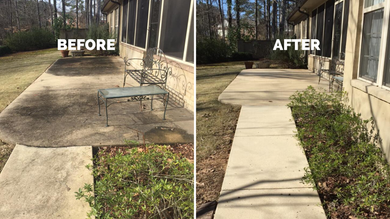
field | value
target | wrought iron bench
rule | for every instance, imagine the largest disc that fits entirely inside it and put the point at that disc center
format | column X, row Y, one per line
column 152, row 69
column 335, row 71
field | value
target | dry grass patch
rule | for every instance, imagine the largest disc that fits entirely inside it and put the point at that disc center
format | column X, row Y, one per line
column 216, row 124
column 19, row 70
column 5, row 152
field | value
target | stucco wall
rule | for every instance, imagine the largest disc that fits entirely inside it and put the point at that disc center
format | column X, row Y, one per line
column 367, row 99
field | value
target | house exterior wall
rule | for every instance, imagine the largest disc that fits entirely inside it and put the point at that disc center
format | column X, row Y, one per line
column 370, row 99
column 180, row 83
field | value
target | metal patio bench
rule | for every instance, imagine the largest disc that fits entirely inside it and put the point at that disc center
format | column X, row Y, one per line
column 335, row 71
column 152, row 69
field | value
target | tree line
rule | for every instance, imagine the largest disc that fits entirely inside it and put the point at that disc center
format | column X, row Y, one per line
column 233, row 20
column 22, row 15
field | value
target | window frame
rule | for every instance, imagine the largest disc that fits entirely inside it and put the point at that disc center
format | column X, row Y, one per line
column 188, row 31
column 383, row 44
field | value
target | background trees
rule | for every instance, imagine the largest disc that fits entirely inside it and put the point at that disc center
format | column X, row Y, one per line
column 23, row 15
column 245, row 19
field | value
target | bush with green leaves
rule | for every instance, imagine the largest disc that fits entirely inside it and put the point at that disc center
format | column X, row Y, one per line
column 140, row 183
column 296, row 58
column 4, row 50
column 37, row 38
column 212, row 51
column 346, row 162
column 96, row 31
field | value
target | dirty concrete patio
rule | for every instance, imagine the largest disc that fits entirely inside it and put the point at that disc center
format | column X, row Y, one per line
column 60, row 109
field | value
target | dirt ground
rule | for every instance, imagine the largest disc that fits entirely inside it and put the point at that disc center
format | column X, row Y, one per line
column 216, row 124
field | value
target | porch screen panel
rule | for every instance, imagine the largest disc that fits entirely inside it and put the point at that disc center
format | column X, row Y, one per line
column 190, row 48
column 174, row 27
column 327, row 43
column 320, row 27
column 371, row 42
column 124, row 24
column 142, row 23
column 337, row 30
column 131, row 21
column 313, row 27
column 345, row 29
column 386, row 76
column 154, row 23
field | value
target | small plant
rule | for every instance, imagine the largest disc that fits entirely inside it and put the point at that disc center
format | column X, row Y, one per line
column 347, row 166
column 149, row 182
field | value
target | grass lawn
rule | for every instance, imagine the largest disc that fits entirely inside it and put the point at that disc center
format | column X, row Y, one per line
column 216, row 124
column 17, row 72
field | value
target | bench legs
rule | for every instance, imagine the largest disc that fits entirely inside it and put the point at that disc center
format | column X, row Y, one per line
column 105, row 103
column 166, row 104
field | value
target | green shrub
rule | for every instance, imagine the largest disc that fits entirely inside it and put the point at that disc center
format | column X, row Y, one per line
column 138, row 183
column 102, row 32
column 212, row 51
column 30, row 40
column 296, row 58
column 4, row 50
column 346, row 163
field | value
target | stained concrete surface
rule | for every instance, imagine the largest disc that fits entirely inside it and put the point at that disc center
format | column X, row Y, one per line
column 40, row 183
column 60, row 109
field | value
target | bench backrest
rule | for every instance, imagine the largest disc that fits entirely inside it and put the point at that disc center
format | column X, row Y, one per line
column 154, row 68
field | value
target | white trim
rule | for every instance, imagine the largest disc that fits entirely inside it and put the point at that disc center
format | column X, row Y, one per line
column 160, row 26
column 127, row 20
column 190, row 17
column 374, row 7
column 148, row 25
column 135, row 21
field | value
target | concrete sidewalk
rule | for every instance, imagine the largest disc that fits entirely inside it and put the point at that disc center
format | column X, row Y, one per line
column 265, row 167
column 40, row 183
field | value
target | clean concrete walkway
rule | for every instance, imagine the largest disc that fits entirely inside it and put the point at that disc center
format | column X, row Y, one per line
column 265, row 167
column 40, row 183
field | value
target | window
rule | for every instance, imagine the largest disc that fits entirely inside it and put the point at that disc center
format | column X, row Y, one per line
column 154, row 23
column 142, row 23
column 160, row 23
column 371, row 44
column 320, row 27
column 369, row 3
column 345, row 29
column 327, row 42
column 174, row 27
column 124, row 20
column 190, row 49
column 131, row 21
column 313, row 27
column 337, row 30
column 386, row 80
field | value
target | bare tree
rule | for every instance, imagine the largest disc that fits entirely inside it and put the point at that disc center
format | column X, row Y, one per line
column 39, row 15
column 229, row 13
column 77, row 14
column 87, row 12
column 238, row 7
column 222, row 19
column 17, row 15
column 256, row 18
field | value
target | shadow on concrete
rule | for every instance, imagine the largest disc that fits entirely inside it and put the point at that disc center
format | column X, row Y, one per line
column 60, row 109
